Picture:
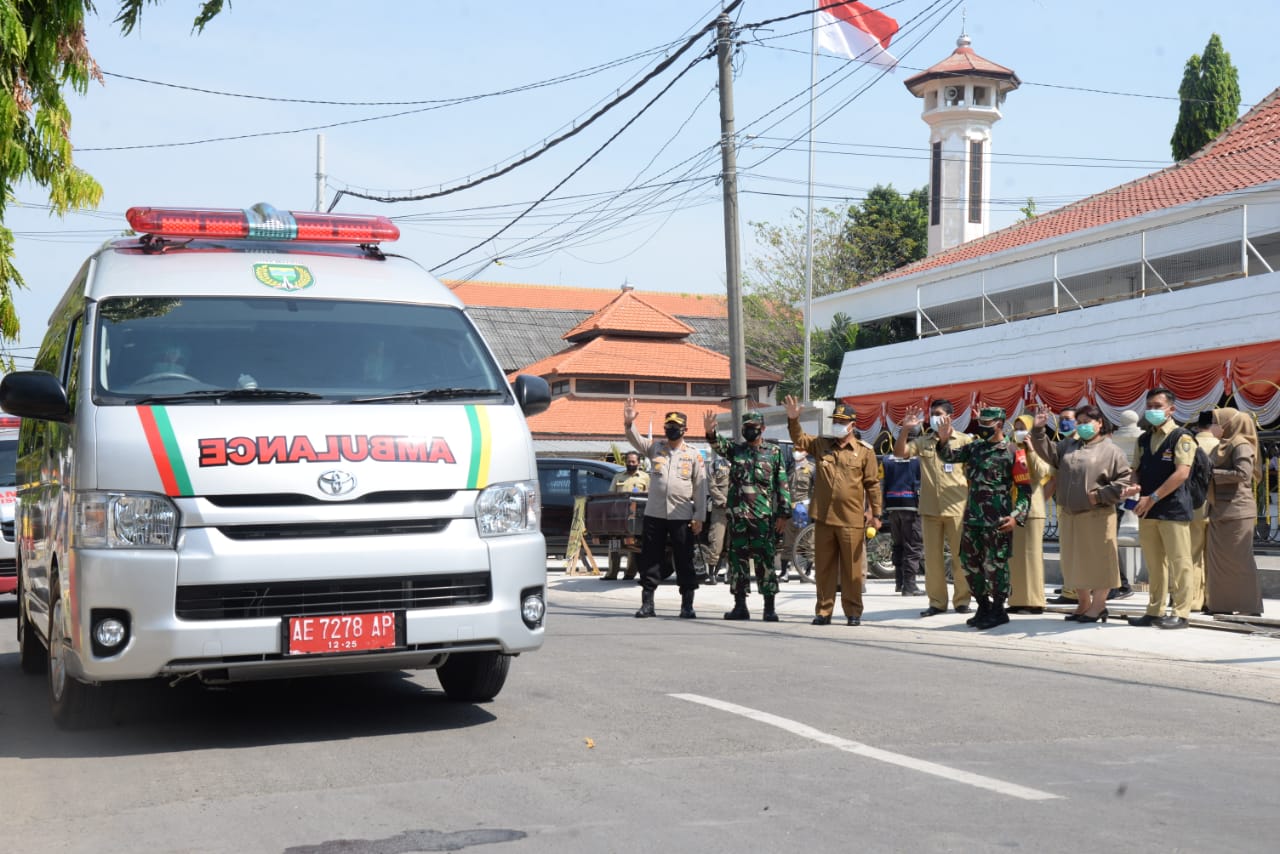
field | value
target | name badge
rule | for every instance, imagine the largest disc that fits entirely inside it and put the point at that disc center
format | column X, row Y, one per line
column 948, row 468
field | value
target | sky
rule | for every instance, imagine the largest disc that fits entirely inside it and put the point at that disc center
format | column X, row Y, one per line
column 1096, row 108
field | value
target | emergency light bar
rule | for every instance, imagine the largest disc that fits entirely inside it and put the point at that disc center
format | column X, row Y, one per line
column 9, row 422
column 261, row 222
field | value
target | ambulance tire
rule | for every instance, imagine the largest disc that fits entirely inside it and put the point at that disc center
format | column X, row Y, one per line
column 474, row 677
column 73, row 704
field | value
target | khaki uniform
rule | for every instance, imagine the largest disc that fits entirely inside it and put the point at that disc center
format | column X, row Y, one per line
column 717, row 515
column 1166, row 543
column 1026, row 564
column 678, row 482
column 943, row 491
column 1199, row 528
column 630, row 481
column 801, row 487
column 846, row 479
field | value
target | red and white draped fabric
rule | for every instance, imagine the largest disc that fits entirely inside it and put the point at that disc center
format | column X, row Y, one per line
column 855, row 31
column 1247, row 377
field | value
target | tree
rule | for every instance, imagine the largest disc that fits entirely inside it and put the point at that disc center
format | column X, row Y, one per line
column 1028, row 210
column 42, row 50
column 1210, row 94
column 883, row 232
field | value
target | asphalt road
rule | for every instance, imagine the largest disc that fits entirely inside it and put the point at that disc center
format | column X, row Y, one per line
column 642, row 735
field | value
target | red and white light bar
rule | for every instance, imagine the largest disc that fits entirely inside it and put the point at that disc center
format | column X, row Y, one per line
column 262, row 222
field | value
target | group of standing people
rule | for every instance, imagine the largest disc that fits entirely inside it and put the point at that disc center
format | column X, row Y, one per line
column 981, row 493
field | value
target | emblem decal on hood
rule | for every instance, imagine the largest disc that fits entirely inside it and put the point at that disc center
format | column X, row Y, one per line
column 284, row 277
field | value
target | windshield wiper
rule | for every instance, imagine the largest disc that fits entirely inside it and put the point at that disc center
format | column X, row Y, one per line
column 429, row 394
column 217, row 394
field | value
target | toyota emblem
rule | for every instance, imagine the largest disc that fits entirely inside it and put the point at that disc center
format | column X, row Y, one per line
column 336, row 482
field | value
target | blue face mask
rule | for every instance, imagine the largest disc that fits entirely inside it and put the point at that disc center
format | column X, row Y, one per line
column 1066, row 425
column 1085, row 432
column 1155, row 417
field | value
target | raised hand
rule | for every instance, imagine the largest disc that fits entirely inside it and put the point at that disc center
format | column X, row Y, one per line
column 709, row 421
column 912, row 418
column 944, row 428
column 629, row 412
column 1042, row 416
column 793, row 407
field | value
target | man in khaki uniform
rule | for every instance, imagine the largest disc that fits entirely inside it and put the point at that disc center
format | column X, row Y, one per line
column 943, row 492
column 717, row 516
column 1200, row 517
column 675, row 508
column 846, row 481
column 1161, row 465
column 632, row 479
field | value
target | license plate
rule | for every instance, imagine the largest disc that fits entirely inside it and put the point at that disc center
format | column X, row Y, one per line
column 341, row 633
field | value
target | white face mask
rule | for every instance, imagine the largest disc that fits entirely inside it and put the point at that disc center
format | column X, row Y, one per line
column 842, row 430
column 1020, row 436
column 799, row 456
column 935, row 423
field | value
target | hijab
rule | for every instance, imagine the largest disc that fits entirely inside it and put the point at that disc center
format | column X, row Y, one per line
column 1237, row 429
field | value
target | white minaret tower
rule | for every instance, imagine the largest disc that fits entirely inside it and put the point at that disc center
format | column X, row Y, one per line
column 962, row 99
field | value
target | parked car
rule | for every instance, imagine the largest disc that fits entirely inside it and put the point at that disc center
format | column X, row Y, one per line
column 561, row 480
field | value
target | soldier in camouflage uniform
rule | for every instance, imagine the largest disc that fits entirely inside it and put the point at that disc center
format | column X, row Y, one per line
column 759, row 507
column 991, row 513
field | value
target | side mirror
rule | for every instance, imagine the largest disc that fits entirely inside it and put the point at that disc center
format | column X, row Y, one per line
column 533, row 394
column 35, row 394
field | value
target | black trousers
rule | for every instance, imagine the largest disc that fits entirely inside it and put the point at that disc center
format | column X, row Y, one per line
column 908, row 547
column 657, row 534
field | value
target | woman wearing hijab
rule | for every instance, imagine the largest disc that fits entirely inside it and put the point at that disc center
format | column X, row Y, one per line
column 1092, row 475
column 1026, row 564
column 1231, row 573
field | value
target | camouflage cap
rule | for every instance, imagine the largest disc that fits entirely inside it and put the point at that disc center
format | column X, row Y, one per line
column 752, row 418
column 991, row 413
column 676, row 418
column 843, row 412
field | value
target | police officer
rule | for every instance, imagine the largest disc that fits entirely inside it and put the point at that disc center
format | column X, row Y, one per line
column 801, row 487
column 674, row 510
column 1161, row 465
column 632, row 480
column 759, row 509
column 717, row 517
column 846, row 480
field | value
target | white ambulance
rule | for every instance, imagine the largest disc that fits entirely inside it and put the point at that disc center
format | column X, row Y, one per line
column 255, row 445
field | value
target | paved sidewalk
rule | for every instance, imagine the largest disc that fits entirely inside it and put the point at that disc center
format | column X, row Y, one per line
column 885, row 609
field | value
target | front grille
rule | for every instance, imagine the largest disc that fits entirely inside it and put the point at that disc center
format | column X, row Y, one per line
column 293, row 499
column 348, row 596
column 318, row 530
column 6, row 529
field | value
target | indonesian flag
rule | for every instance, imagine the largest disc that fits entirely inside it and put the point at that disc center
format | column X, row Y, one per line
column 854, row 30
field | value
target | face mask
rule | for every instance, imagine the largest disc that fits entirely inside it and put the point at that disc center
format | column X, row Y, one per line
column 632, row 466
column 984, row 431
column 1155, row 417
column 1020, row 436
column 799, row 457
column 842, row 430
column 935, row 423
column 673, row 432
column 1066, row 425
column 1085, row 432
column 751, row 432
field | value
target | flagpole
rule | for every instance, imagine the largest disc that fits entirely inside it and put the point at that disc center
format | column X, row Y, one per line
column 808, row 221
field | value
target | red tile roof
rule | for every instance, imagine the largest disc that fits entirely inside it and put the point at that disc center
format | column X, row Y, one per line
column 963, row 62
column 584, row 418
column 642, row 358
column 1245, row 155
column 629, row 314
column 507, row 295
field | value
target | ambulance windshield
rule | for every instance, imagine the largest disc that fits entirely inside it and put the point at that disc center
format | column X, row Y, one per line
column 248, row 350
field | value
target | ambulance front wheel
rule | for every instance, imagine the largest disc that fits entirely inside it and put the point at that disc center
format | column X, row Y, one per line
column 474, row 677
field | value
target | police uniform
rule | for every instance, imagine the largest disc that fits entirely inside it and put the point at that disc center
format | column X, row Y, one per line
column 943, row 490
column 1165, row 531
column 758, row 500
column 717, row 516
column 846, row 479
column 984, row 548
column 677, row 496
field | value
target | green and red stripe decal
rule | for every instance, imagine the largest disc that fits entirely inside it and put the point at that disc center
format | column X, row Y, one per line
column 164, row 450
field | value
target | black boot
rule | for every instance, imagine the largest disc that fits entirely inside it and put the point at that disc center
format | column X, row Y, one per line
column 686, row 606
column 997, row 616
column 984, row 608
column 770, row 615
column 646, row 604
column 739, row 611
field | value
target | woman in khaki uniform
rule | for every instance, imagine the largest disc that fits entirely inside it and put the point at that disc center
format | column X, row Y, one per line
column 1231, row 572
column 1092, row 475
column 1026, row 564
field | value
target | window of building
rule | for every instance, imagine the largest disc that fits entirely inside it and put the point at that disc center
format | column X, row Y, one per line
column 603, row 387
column 716, row 390
column 935, row 186
column 975, row 181
column 981, row 96
column 560, row 387
column 661, row 389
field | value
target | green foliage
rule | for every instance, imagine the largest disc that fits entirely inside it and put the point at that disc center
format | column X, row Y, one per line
column 866, row 241
column 1028, row 210
column 1210, row 94
column 43, row 53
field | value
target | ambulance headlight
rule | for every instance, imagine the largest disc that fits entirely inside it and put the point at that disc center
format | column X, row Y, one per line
column 508, row 508
column 121, row 520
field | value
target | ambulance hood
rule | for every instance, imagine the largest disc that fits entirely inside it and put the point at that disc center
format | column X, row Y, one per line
column 336, row 452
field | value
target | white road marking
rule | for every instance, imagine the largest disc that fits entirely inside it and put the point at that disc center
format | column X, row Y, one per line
column 859, row 749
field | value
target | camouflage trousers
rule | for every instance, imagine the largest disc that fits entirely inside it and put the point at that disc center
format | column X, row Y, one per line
column 984, row 554
column 752, row 539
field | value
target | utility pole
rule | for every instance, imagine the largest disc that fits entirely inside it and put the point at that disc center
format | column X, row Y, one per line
column 320, row 176
column 733, row 270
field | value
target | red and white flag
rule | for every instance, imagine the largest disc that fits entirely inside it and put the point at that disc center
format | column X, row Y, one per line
column 856, row 31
